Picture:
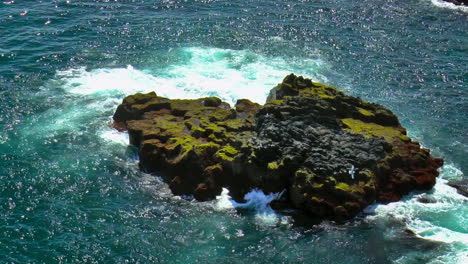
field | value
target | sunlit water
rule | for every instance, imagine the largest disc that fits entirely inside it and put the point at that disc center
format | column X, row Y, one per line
column 70, row 188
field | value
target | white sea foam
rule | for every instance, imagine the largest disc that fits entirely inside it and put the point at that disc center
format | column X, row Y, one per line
column 441, row 3
column 228, row 74
column 119, row 81
column 114, row 136
column 429, row 220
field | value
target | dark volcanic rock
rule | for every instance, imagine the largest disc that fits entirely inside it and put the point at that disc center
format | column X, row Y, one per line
column 333, row 154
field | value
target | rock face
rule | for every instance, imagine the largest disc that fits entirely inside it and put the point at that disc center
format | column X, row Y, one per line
column 333, row 154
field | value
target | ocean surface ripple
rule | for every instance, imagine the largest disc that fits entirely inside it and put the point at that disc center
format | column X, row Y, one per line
column 70, row 187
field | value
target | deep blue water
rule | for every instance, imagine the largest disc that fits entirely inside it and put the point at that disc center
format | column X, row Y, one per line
column 70, row 188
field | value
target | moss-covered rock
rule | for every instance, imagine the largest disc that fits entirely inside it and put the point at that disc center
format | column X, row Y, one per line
column 333, row 154
column 191, row 143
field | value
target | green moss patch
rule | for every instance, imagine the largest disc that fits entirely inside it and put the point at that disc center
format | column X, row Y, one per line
column 369, row 130
column 227, row 153
column 364, row 112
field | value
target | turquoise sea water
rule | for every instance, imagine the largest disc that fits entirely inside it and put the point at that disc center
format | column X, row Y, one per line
column 70, row 188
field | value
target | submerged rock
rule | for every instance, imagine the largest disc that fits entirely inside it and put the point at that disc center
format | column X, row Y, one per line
column 461, row 185
column 334, row 154
column 426, row 199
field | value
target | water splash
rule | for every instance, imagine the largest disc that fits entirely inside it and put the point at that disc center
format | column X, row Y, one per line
column 258, row 201
column 224, row 201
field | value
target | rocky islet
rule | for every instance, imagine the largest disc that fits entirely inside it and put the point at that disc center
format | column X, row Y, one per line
column 333, row 154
